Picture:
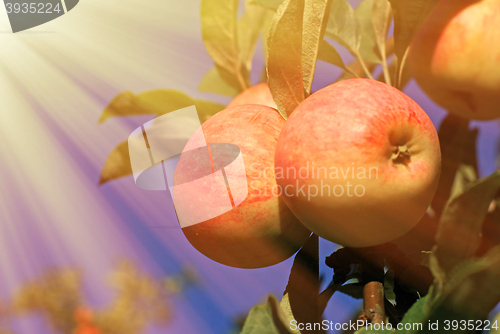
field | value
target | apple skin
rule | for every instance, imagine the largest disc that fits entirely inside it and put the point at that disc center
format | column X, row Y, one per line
column 258, row 94
column 365, row 124
column 261, row 231
column 84, row 318
column 455, row 57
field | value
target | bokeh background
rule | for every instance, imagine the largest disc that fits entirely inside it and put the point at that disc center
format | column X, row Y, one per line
column 55, row 80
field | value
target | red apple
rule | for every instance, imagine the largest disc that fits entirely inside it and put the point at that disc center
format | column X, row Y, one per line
column 261, row 230
column 358, row 162
column 258, row 94
column 83, row 317
column 455, row 57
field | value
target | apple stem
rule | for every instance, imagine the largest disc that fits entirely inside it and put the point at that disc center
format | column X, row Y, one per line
column 401, row 155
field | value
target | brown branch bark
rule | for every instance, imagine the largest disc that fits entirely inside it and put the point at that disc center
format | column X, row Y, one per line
column 373, row 302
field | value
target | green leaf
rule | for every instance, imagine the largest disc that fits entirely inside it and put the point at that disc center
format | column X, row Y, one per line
column 343, row 26
column 471, row 292
column 409, row 15
column 212, row 82
column 220, row 34
column 117, row 164
column 473, row 289
column 417, row 314
column 459, row 230
column 316, row 13
column 381, row 18
column 267, row 319
column 389, row 285
column 328, row 53
column 284, row 63
column 368, row 44
column 438, row 273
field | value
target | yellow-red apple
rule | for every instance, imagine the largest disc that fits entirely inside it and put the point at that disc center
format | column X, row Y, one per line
column 455, row 57
column 261, row 230
column 258, row 94
column 358, row 162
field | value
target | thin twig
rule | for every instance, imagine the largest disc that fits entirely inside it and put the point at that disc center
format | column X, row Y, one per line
column 363, row 65
column 353, row 73
column 399, row 70
column 385, row 67
column 355, row 68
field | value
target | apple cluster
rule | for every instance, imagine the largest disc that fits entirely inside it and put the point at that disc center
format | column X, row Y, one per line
column 354, row 124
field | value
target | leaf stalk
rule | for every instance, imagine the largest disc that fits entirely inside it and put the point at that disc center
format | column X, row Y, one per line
column 363, row 65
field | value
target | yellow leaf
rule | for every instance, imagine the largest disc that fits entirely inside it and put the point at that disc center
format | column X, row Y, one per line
column 154, row 102
column 284, row 63
column 316, row 13
column 212, row 82
column 409, row 15
column 368, row 43
column 117, row 164
column 265, row 33
column 343, row 26
column 328, row 53
column 249, row 29
column 287, row 311
column 220, row 36
column 207, row 109
column 381, row 18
